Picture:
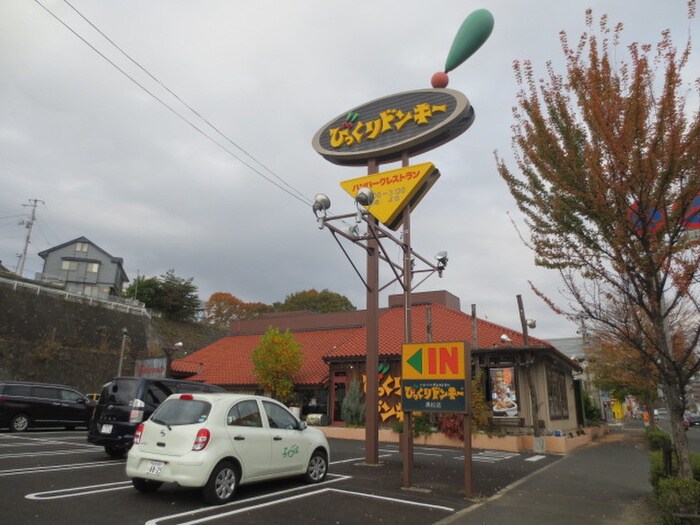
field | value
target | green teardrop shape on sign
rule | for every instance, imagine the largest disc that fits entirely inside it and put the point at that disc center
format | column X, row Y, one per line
column 416, row 361
column 473, row 32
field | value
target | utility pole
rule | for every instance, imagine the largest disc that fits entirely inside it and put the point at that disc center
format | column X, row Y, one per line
column 529, row 362
column 27, row 224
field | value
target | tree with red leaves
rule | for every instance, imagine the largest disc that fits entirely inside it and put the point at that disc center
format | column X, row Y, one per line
column 223, row 307
column 608, row 176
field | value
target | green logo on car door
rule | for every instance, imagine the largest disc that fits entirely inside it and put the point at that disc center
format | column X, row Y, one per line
column 290, row 452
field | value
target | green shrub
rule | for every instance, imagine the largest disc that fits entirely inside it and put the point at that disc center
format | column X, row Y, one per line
column 657, row 438
column 352, row 409
column 591, row 410
column 422, row 424
column 656, row 474
column 678, row 496
column 656, row 469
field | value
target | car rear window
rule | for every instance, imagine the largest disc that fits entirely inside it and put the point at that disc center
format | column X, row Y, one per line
column 119, row 392
column 182, row 412
column 17, row 390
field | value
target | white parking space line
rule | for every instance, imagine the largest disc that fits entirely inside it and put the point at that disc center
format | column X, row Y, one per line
column 536, row 458
column 18, row 443
column 485, row 456
column 201, row 510
column 395, row 500
column 229, row 513
column 79, row 491
column 44, row 453
column 355, row 460
column 27, row 441
column 491, row 456
column 57, row 468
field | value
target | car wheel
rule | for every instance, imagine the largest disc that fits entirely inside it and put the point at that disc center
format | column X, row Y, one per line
column 318, row 467
column 114, row 451
column 145, row 485
column 222, row 483
column 19, row 423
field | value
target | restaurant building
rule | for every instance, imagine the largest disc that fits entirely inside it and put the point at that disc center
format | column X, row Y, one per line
column 527, row 387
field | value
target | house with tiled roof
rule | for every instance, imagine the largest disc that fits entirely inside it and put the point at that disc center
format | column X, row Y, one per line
column 536, row 378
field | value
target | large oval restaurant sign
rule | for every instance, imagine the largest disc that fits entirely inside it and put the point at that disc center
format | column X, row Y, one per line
column 412, row 122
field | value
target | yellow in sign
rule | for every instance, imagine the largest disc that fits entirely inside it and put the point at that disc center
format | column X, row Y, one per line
column 394, row 190
column 432, row 361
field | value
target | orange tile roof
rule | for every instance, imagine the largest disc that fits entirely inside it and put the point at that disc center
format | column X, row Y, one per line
column 228, row 361
column 447, row 325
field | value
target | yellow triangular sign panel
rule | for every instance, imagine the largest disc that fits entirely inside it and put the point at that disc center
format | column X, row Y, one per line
column 394, row 190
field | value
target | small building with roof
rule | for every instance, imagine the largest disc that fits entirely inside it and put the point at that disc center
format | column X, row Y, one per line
column 535, row 379
column 83, row 268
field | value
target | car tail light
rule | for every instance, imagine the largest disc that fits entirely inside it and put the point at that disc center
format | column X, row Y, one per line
column 202, row 439
column 138, row 434
column 136, row 415
column 186, row 397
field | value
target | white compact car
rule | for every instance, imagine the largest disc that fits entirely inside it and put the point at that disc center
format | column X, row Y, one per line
column 218, row 441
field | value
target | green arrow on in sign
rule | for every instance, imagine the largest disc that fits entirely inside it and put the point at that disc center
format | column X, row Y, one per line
column 416, row 361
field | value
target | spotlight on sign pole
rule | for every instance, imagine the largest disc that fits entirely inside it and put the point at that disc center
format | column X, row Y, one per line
column 364, row 197
column 320, row 206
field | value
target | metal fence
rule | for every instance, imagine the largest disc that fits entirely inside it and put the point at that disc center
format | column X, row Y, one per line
column 117, row 303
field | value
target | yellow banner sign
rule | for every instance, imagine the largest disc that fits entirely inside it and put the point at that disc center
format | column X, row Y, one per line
column 432, row 361
column 394, row 190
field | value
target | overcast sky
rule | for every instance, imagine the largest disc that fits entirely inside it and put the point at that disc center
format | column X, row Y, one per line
column 113, row 164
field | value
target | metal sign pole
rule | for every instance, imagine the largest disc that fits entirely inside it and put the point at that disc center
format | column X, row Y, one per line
column 372, row 359
column 407, row 276
column 467, row 423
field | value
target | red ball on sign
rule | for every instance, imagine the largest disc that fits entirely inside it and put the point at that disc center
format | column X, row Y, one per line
column 439, row 80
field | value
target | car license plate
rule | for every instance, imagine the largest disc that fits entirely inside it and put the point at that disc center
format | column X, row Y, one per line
column 106, row 429
column 155, row 468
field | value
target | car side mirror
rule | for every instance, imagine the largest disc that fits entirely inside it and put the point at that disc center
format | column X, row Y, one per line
column 302, row 425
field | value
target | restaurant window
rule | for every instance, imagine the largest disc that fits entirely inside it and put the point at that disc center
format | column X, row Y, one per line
column 93, row 267
column 556, row 394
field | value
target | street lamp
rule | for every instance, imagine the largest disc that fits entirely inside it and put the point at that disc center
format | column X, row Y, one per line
column 169, row 353
column 125, row 333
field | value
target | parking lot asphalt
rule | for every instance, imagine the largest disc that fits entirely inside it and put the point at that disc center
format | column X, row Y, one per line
column 56, row 477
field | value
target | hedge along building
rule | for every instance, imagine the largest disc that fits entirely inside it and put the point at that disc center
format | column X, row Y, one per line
column 334, row 348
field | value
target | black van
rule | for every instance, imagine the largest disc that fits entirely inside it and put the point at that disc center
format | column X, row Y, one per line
column 25, row 405
column 127, row 401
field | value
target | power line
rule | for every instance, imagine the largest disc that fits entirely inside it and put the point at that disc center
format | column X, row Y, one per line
column 193, row 110
column 47, row 230
column 296, row 195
